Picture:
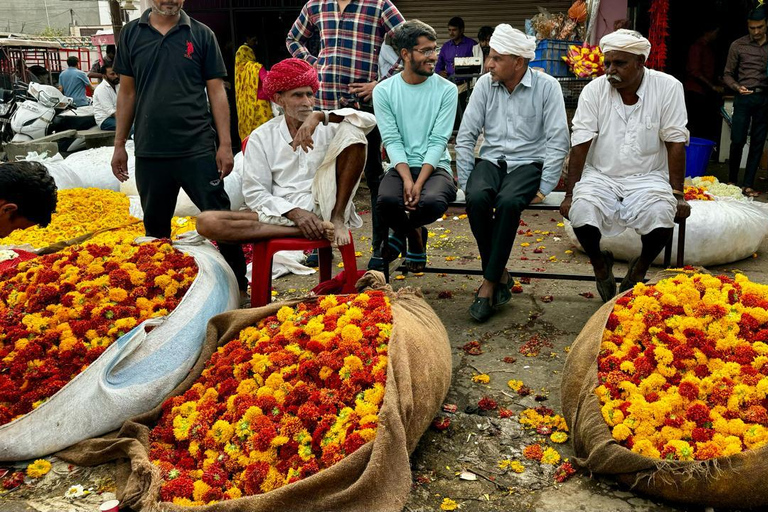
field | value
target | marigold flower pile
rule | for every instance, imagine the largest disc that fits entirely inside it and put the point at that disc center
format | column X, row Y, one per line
column 286, row 399
column 60, row 312
column 683, row 368
column 717, row 190
column 697, row 194
column 585, row 61
column 84, row 210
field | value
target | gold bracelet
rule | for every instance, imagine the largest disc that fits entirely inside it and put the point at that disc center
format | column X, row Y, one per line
column 678, row 192
column 540, row 195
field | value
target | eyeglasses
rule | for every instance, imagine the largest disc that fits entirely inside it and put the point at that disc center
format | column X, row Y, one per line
column 426, row 53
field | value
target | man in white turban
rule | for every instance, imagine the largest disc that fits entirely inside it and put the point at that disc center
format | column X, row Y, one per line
column 627, row 162
column 522, row 115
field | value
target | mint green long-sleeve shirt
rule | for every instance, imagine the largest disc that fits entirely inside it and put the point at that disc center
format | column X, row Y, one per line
column 416, row 121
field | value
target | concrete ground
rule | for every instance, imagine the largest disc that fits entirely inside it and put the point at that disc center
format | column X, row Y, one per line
column 474, row 442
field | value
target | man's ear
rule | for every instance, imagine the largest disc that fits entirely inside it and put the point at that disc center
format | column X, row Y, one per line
column 403, row 53
column 8, row 208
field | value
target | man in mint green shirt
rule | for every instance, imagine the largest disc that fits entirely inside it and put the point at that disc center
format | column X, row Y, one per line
column 415, row 111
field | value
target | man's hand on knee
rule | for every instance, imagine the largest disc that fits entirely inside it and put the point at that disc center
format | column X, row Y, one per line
column 310, row 224
column 565, row 206
column 683, row 209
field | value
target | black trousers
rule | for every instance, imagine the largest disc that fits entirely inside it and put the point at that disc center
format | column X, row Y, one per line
column 158, row 181
column 495, row 200
column 438, row 191
column 750, row 108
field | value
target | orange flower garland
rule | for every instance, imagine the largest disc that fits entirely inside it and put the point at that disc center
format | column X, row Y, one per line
column 683, row 368
column 697, row 194
column 60, row 312
column 288, row 398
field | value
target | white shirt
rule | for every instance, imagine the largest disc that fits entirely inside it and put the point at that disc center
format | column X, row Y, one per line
column 629, row 144
column 277, row 179
column 104, row 101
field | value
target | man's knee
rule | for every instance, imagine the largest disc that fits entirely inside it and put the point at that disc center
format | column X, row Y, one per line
column 511, row 204
column 433, row 206
column 387, row 201
column 210, row 223
column 480, row 199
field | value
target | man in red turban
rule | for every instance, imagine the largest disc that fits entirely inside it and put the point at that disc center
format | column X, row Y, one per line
column 300, row 169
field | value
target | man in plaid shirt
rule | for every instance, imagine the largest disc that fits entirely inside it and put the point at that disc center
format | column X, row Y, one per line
column 351, row 34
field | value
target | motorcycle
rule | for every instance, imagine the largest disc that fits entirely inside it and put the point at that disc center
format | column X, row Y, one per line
column 48, row 111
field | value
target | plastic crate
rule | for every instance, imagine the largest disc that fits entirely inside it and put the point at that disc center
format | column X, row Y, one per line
column 572, row 87
column 549, row 56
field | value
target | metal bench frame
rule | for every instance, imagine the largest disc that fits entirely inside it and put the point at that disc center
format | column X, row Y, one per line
column 552, row 275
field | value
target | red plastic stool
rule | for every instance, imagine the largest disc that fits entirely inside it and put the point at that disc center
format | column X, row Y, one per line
column 261, row 281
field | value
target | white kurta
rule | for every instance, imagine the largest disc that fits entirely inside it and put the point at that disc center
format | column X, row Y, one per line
column 277, row 179
column 625, row 183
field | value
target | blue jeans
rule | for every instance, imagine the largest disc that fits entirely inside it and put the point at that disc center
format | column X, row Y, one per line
column 109, row 124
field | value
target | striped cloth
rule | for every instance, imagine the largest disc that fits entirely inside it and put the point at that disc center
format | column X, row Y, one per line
column 349, row 44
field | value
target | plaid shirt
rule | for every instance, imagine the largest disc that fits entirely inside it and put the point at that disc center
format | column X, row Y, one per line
column 349, row 44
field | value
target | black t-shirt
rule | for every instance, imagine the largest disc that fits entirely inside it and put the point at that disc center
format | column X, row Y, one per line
column 172, row 114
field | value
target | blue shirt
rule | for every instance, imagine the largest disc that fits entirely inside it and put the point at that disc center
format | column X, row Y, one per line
column 416, row 121
column 73, row 82
column 521, row 127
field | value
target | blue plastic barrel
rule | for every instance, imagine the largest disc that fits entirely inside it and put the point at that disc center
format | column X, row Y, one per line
column 697, row 155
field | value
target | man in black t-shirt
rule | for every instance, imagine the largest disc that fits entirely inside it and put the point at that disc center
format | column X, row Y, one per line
column 167, row 62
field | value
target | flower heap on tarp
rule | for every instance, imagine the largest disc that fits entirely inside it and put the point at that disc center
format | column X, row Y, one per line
column 697, row 194
column 683, row 368
column 585, row 61
column 60, row 312
column 286, row 399
column 84, row 210
column 717, row 190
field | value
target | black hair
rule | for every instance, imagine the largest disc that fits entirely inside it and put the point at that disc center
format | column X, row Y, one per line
column 72, row 61
column 31, row 188
column 110, row 49
column 103, row 69
column 485, row 32
column 457, row 22
column 407, row 35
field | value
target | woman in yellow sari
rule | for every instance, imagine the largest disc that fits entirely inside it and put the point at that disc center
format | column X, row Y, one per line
column 251, row 111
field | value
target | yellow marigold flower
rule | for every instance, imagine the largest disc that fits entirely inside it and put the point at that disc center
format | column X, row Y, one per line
column 328, row 302
column 351, row 333
column 514, row 465
column 374, row 395
column 284, row 313
column 273, row 480
column 558, row 437
column 621, row 432
column 38, row 469
column 368, row 434
column 184, row 502
column 221, row 432
column 117, row 294
column 234, row 493
column 448, row 504
column 515, row 385
column 194, row 448
column 645, row 447
column 550, row 457
column 627, row 366
column 199, row 490
column 314, row 327
column 481, row 379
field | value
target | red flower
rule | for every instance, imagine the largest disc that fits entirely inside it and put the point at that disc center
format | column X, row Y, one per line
column 688, row 390
column 180, row 487
column 698, row 413
column 487, row 404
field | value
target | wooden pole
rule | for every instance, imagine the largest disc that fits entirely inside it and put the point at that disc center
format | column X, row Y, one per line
column 117, row 19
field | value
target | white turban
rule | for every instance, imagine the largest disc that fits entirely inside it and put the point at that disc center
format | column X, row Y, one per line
column 510, row 41
column 624, row 40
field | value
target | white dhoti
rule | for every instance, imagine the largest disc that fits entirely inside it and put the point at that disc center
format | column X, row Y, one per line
column 323, row 188
column 642, row 202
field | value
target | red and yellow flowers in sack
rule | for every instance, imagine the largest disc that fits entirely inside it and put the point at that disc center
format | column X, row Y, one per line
column 683, row 368
column 60, row 312
column 289, row 397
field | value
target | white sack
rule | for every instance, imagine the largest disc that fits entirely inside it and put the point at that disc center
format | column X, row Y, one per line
column 135, row 373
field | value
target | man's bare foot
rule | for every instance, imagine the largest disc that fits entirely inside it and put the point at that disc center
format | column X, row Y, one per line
column 341, row 233
column 329, row 231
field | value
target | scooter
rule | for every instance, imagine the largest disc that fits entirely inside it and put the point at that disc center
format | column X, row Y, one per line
column 49, row 111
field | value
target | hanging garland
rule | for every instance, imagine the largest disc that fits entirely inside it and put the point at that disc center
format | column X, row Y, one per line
column 658, row 34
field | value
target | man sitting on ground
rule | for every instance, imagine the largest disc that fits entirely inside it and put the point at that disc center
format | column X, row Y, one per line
column 522, row 113
column 300, row 170
column 105, row 99
column 27, row 196
column 628, row 159
column 415, row 111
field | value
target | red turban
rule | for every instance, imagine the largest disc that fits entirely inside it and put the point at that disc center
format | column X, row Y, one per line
column 290, row 74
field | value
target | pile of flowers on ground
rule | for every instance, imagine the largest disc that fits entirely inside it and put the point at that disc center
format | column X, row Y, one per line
column 60, row 312
column 288, row 398
column 697, row 194
column 585, row 61
column 713, row 187
column 683, row 368
column 84, row 210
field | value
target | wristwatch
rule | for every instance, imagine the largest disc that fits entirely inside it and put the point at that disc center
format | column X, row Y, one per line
column 540, row 195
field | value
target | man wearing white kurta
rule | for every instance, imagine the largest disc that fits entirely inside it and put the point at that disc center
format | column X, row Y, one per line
column 300, row 170
column 627, row 160
column 105, row 99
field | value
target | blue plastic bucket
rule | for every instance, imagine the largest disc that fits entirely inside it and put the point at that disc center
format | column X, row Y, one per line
column 697, row 155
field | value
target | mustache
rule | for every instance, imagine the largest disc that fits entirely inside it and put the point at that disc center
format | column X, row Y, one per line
column 614, row 78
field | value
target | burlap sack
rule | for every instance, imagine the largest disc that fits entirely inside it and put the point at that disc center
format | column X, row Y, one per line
column 376, row 477
column 734, row 481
